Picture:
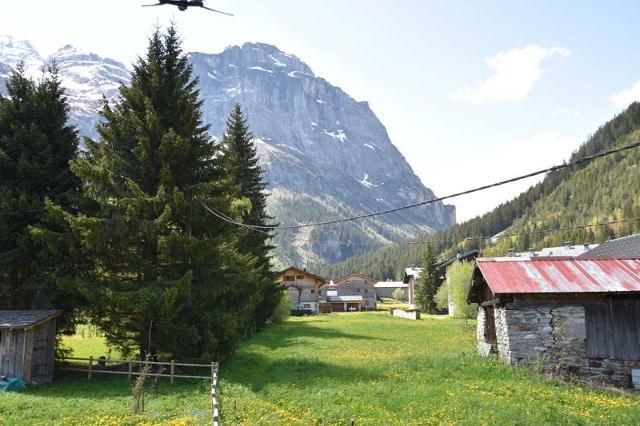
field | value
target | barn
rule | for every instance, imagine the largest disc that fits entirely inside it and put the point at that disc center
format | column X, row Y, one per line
column 27, row 344
column 578, row 315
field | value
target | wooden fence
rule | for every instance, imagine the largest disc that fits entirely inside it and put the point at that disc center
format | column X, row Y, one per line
column 99, row 366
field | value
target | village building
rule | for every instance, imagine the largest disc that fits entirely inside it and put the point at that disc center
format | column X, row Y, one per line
column 579, row 315
column 27, row 344
column 303, row 288
column 388, row 289
column 620, row 247
column 567, row 250
column 352, row 292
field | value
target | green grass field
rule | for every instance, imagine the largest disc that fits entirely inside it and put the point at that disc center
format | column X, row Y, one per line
column 326, row 370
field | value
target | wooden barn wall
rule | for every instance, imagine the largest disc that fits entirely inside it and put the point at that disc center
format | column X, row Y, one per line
column 11, row 352
column 613, row 329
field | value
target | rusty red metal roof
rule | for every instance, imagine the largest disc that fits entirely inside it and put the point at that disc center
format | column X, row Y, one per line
column 560, row 275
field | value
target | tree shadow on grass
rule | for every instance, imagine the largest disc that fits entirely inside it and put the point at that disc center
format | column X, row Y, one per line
column 294, row 333
column 256, row 371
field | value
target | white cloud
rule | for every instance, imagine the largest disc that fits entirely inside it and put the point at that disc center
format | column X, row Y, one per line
column 564, row 111
column 516, row 71
column 624, row 98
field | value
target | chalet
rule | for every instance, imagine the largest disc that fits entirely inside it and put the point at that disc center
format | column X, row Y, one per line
column 303, row 288
column 353, row 292
column 27, row 344
column 388, row 288
column 411, row 276
column 578, row 315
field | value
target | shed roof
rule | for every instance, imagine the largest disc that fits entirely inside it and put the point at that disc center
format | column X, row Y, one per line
column 620, row 247
column 26, row 318
column 560, row 275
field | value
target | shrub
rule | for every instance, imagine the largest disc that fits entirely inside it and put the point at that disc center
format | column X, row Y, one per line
column 398, row 294
column 442, row 297
column 283, row 310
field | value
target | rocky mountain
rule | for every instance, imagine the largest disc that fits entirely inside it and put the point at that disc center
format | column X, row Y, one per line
column 324, row 153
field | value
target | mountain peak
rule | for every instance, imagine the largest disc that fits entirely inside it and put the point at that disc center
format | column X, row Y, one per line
column 13, row 51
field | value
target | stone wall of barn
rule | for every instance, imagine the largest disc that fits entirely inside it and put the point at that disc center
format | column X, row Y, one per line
column 553, row 334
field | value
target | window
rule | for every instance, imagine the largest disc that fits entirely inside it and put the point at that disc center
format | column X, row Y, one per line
column 289, row 278
column 313, row 291
column 358, row 290
column 306, row 305
column 366, row 290
column 299, row 277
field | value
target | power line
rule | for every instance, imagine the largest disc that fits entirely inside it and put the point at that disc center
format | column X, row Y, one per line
column 226, row 218
column 475, row 238
column 446, row 197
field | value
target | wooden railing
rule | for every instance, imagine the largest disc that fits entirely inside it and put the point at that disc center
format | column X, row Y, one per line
column 99, row 366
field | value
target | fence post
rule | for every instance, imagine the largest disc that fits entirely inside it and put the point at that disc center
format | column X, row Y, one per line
column 90, row 366
column 214, row 394
column 130, row 369
column 173, row 370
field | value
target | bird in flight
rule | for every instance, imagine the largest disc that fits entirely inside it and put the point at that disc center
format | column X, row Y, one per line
column 184, row 4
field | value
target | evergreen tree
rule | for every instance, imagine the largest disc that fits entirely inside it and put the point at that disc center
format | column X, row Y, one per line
column 161, row 273
column 428, row 282
column 36, row 145
column 241, row 162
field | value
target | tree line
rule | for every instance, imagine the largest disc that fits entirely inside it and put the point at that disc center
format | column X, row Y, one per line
column 128, row 232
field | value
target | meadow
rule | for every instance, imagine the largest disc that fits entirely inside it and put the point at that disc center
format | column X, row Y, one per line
column 328, row 370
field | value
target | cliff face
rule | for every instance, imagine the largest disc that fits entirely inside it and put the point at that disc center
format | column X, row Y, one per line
column 324, row 154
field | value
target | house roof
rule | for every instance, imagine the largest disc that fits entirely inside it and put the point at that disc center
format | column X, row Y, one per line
column 305, row 272
column 567, row 250
column 390, row 284
column 620, row 247
column 345, row 277
column 344, row 298
column 413, row 272
column 558, row 275
column 26, row 318
column 472, row 254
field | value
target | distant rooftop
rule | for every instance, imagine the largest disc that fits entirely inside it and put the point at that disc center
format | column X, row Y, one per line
column 344, row 298
column 390, row 284
column 620, row 247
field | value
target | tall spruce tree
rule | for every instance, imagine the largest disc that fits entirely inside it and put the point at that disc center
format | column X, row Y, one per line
column 161, row 273
column 428, row 282
column 241, row 162
column 36, row 145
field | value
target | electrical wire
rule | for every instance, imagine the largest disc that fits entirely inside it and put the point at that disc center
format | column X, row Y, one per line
column 446, row 197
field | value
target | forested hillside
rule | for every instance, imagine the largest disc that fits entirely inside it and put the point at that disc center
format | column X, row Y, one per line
column 603, row 190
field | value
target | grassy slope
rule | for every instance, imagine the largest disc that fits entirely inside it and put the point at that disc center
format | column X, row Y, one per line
column 383, row 370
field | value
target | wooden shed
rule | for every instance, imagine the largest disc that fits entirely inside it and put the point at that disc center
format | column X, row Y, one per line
column 27, row 344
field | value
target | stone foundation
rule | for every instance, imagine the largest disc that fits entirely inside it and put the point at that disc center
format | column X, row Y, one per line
column 552, row 334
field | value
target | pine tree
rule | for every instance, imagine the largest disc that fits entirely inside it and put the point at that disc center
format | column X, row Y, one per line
column 36, row 145
column 161, row 274
column 241, row 162
column 428, row 282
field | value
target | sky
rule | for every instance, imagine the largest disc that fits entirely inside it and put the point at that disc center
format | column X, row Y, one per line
column 470, row 92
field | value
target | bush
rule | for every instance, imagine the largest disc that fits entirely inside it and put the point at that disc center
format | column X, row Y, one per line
column 442, row 297
column 283, row 310
column 398, row 294
column 459, row 277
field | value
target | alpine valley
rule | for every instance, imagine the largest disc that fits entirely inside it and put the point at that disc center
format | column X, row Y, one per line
column 325, row 155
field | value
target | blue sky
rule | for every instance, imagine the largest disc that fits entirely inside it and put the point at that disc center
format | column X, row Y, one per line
column 470, row 92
